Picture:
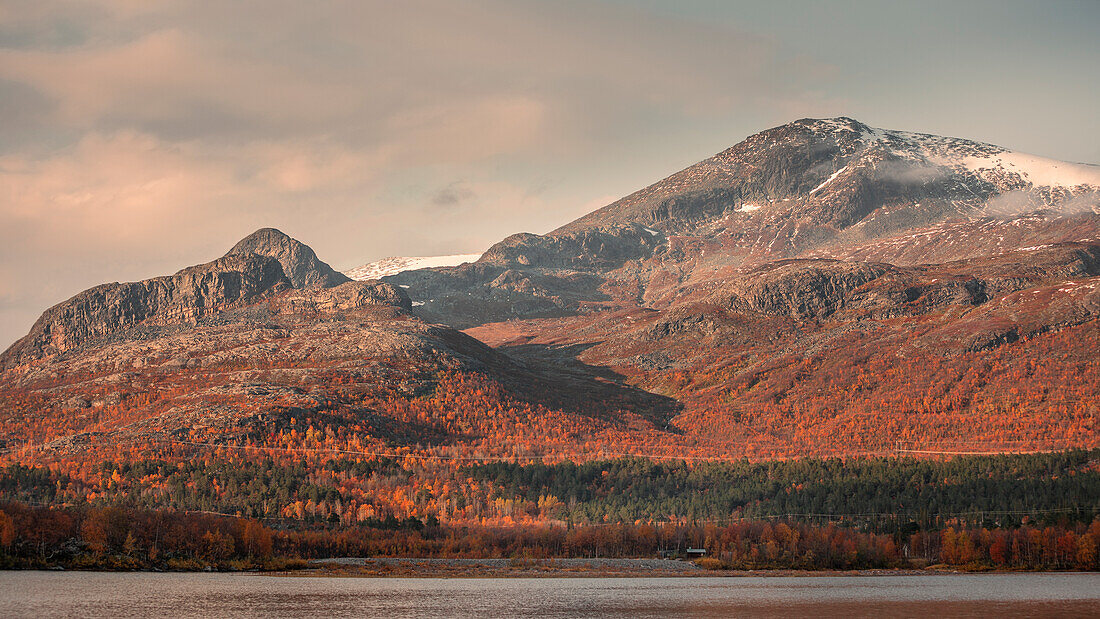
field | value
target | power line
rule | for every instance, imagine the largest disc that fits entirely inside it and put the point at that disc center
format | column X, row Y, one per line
column 972, row 453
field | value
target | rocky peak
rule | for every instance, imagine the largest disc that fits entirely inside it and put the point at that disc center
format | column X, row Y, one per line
column 837, row 172
column 350, row 296
column 302, row 266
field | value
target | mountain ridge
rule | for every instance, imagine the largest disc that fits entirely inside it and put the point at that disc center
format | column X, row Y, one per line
column 253, row 271
column 812, row 159
column 813, row 188
column 821, row 282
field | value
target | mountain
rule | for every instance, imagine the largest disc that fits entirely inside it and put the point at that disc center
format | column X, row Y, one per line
column 832, row 188
column 400, row 264
column 236, row 349
column 768, row 277
column 840, row 173
column 823, row 287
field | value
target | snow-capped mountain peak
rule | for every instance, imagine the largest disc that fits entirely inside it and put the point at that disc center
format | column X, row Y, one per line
column 839, row 172
column 984, row 160
column 399, row 264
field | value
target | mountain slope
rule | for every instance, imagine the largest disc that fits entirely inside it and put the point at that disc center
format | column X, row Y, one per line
column 840, row 171
column 822, row 287
column 782, row 267
column 231, row 349
column 832, row 188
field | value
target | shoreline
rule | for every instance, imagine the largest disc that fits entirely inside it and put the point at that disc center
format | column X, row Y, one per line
column 433, row 567
column 412, row 567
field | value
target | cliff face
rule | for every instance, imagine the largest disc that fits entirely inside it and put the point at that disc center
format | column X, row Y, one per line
column 181, row 299
column 345, row 297
column 820, row 289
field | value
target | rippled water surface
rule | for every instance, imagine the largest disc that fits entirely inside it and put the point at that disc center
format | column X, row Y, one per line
column 97, row 594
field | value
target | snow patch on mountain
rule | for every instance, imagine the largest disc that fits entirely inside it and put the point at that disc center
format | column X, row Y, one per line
column 987, row 161
column 828, row 180
column 399, row 264
column 1039, row 171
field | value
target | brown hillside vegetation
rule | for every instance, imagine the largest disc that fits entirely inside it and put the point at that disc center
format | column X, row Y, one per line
column 793, row 297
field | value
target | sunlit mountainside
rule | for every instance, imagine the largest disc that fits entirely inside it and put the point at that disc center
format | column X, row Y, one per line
column 822, row 288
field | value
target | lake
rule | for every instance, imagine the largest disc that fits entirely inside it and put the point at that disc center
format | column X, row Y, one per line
column 117, row 595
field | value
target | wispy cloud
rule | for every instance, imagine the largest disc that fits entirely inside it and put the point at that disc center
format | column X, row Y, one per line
column 1020, row 202
column 152, row 134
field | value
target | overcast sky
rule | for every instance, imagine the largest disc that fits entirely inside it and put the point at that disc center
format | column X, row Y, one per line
column 143, row 136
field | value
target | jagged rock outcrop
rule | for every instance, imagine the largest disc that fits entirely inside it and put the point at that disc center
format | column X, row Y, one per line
column 817, row 289
column 100, row 313
column 254, row 271
column 302, row 266
column 588, row 250
column 527, row 275
column 345, row 297
column 801, row 289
